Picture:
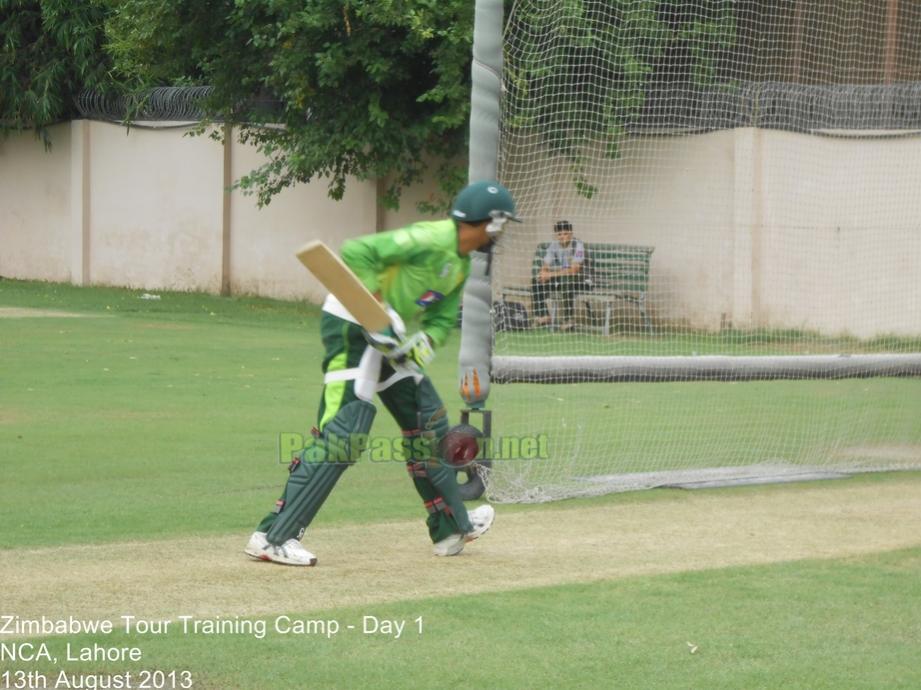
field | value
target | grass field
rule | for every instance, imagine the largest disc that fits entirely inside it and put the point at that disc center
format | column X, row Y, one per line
column 138, row 447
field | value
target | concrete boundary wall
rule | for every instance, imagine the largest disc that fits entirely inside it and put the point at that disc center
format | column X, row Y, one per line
column 752, row 228
column 151, row 208
column 38, row 231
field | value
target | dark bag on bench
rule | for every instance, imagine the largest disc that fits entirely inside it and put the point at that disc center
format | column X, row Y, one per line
column 510, row 316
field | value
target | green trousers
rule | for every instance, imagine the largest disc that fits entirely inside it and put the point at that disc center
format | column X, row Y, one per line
column 407, row 401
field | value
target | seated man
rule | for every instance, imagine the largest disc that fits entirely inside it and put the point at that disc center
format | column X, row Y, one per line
column 560, row 277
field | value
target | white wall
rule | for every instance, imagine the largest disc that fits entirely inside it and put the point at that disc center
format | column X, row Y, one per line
column 752, row 228
column 155, row 205
column 841, row 238
column 263, row 241
column 150, row 208
column 35, row 206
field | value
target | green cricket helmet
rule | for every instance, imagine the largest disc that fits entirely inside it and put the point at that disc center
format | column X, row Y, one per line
column 488, row 200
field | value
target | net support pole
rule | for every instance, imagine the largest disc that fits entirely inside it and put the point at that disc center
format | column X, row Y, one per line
column 702, row 368
column 486, row 77
column 485, row 92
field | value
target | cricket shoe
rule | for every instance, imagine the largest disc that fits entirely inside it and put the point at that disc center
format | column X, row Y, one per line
column 481, row 518
column 292, row 552
column 449, row 546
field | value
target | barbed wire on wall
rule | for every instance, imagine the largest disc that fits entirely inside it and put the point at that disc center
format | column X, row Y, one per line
column 773, row 105
column 841, row 107
column 164, row 104
column 787, row 106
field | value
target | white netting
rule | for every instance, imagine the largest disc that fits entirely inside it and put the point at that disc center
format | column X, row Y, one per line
column 745, row 177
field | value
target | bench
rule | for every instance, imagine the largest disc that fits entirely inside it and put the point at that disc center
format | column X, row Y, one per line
column 614, row 272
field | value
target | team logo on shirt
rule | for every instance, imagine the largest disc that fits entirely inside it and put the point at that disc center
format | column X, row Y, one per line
column 429, row 298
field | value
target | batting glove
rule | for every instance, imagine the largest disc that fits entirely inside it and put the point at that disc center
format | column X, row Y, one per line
column 415, row 352
column 390, row 338
column 385, row 341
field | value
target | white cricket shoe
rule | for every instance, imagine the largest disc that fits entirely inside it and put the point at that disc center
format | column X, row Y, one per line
column 292, row 552
column 449, row 546
column 481, row 518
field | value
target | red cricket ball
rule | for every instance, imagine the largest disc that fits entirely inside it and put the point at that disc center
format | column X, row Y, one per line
column 460, row 446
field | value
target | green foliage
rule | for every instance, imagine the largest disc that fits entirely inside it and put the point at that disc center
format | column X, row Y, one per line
column 159, row 42
column 365, row 88
column 590, row 65
column 49, row 51
column 362, row 88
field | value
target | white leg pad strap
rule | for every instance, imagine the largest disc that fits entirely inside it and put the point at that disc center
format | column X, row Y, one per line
column 367, row 374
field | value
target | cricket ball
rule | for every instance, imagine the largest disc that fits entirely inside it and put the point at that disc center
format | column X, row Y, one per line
column 461, row 445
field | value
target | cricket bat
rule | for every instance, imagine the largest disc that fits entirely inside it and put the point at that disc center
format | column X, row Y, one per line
column 344, row 284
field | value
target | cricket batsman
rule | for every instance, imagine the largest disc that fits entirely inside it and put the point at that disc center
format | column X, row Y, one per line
column 419, row 272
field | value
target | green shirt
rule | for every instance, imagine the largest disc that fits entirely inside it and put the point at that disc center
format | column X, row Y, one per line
column 418, row 272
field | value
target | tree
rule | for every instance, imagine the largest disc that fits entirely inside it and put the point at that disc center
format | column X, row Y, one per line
column 579, row 72
column 362, row 88
column 49, row 51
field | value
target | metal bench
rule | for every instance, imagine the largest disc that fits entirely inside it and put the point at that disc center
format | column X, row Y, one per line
column 613, row 271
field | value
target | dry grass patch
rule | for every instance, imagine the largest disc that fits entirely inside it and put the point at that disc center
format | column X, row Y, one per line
column 368, row 564
column 27, row 313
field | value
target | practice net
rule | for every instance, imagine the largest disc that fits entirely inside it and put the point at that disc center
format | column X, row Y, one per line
column 743, row 178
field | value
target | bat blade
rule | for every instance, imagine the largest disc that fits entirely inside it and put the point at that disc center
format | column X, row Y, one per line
column 339, row 279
